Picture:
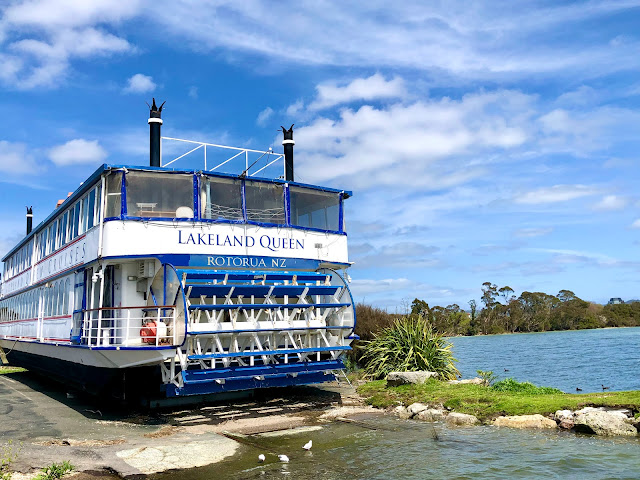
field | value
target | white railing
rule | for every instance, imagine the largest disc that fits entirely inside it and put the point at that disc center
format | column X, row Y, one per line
column 132, row 326
column 252, row 158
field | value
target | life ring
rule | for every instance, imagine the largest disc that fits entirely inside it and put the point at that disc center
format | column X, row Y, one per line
column 152, row 330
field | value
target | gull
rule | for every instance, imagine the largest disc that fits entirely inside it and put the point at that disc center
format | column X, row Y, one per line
column 308, row 445
column 261, row 457
column 283, row 458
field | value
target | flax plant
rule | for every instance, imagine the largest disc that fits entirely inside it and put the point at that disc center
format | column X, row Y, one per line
column 409, row 344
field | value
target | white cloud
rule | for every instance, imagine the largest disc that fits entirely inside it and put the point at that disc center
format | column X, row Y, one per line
column 264, row 116
column 140, row 83
column 611, row 202
column 193, row 92
column 636, row 223
column 77, row 151
column 371, row 88
column 532, row 232
column 465, row 40
column 15, row 158
column 554, row 194
column 401, row 144
column 42, row 37
column 295, row 108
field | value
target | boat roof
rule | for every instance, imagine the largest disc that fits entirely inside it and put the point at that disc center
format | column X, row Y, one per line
column 90, row 182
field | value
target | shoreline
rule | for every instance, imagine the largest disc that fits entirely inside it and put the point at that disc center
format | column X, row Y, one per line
column 46, row 423
column 111, row 444
column 542, row 331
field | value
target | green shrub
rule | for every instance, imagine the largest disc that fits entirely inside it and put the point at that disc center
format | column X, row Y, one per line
column 55, row 471
column 487, row 376
column 409, row 344
column 512, row 386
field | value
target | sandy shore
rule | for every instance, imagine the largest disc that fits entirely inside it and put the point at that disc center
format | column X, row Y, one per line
column 45, row 423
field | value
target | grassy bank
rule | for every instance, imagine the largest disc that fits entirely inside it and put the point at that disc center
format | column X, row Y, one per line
column 486, row 402
column 9, row 369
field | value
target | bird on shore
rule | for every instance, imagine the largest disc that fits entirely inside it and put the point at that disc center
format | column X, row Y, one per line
column 308, row 445
column 604, row 388
column 261, row 458
column 578, row 389
column 283, row 458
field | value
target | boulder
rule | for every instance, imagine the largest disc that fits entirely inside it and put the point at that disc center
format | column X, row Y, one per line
column 461, row 419
column 416, row 408
column 525, row 421
column 564, row 418
column 603, row 422
column 474, row 381
column 403, row 412
column 431, row 415
column 400, row 378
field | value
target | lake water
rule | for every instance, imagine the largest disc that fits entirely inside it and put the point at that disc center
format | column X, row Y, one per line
column 408, row 450
column 585, row 359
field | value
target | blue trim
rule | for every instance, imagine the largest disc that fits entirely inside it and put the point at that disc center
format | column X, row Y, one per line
column 287, row 206
column 259, row 330
column 199, row 376
column 89, row 347
column 123, row 196
column 244, row 201
column 259, row 353
column 341, row 215
column 196, row 196
column 267, row 306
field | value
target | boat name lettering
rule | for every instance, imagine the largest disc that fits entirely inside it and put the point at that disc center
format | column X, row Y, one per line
column 252, row 262
column 265, row 241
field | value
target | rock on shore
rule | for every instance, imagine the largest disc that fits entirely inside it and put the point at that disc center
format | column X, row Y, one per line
column 525, row 421
column 461, row 419
column 395, row 379
column 603, row 422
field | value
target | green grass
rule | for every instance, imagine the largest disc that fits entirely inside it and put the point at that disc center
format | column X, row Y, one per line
column 55, row 471
column 4, row 370
column 488, row 402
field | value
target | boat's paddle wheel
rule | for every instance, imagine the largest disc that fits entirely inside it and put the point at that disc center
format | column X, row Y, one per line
column 256, row 329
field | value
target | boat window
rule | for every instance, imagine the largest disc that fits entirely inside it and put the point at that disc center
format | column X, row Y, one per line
column 95, row 201
column 64, row 229
column 75, row 221
column 114, row 192
column 221, row 198
column 314, row 209
column 84, row 203
column 159, row 195
column 265, row 202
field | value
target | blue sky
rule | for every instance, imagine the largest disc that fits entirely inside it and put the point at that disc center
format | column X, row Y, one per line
column 484, row 141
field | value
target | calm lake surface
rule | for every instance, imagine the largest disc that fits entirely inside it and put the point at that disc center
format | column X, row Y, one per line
column 585, row 359
column 408, row 450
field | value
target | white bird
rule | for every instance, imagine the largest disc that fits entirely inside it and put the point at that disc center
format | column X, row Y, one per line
column 308, row 445
column 283, row 458
column 261, row 457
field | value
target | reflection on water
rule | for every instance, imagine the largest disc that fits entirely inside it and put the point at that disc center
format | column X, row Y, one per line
column 585, row 359
column 410, row 450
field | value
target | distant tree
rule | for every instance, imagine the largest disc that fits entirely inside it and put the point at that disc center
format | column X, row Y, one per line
column 420, row 307
column 506, row 292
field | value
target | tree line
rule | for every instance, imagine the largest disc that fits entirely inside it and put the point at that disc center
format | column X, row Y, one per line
column 501, row 311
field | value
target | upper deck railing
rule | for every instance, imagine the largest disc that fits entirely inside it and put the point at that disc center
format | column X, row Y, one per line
column 241, row 160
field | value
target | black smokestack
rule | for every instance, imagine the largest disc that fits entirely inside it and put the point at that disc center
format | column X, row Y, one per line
column 29, row 220
column 288, row 144
column 154, row 133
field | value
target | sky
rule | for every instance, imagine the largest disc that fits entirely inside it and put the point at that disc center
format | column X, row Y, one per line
column 483, row 141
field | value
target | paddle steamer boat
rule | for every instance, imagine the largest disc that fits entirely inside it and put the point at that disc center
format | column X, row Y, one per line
column 183, row 282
